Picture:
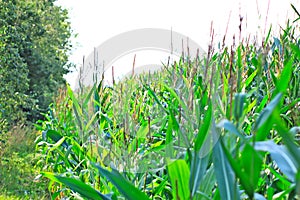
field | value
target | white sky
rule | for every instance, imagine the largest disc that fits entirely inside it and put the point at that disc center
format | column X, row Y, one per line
column 95, row 21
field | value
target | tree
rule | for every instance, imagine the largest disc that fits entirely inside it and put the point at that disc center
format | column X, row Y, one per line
column 34, row 45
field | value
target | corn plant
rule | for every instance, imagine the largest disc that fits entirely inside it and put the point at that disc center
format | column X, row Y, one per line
column 220, row 127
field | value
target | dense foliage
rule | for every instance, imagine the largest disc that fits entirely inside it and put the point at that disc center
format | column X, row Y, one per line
column 34, row 45
column 17, row 166
column 222, row 127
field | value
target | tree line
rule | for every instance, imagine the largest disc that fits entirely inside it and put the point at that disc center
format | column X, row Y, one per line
column 34, row 47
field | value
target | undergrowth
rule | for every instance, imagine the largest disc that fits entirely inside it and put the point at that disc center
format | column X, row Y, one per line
column 17, row 165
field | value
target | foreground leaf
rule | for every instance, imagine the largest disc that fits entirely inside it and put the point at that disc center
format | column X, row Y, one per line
column 77, row 186
column 179, row 175
column 124, row 186
column 224, row 173
column 281, row 156
column 198, row 169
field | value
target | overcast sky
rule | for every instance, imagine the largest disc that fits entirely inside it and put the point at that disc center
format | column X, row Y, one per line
column 95, row 21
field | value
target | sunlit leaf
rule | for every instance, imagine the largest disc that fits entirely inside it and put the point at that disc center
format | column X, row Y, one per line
column 179, row 174
column 124, row 186
column 78, row 186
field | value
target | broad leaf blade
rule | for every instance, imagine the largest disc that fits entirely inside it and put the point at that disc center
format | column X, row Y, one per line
column 281, row 156
column 179, row 175
column 77, row 186
column 124, row 186
column 265, row 115
column 204, row 129
column 227, row 125
column 224, row 173
column 56, row 137
column 251, row 162
column 285, row 76
column 198, row 169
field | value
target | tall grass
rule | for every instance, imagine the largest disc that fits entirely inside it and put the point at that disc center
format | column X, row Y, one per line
column 220, row 127
column 17, row 166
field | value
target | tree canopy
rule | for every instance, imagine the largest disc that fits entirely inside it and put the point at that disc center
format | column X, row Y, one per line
column 34, row 46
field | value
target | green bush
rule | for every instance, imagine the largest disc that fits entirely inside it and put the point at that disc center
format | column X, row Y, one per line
column 34, row 47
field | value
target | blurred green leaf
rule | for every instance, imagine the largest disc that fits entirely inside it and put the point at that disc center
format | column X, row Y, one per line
column 281, row 156
column 124, row 186
column 285, row 76
column 224, row 174
column 296, row 11
column 239, row 105
column 204, row 129
column 179, row 174
column 238, row 171
column 227, row 125
column 264, row 116
column 208, row 182
column 198, row 169
column 251, row 163
column 249, row 79
column 56, row 137
column 268, row 37
column 77, row 186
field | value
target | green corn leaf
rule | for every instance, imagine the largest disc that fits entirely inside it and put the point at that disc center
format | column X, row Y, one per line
column 78, row 186
column 91, row 121
column 262, row 104
column 143, row 130
column 239, row 105
column 268, row 37
column 296, row 50
column 281, row 156
column 198, row 169
column 223, row 171
column 227, row 125
column 285, row 76
column 274, row 78
column 88, row 97
column 288, row 139
column 58, row 144
column 173, row 94
column 208, row 182
column 250, row 106
column 237, row 170
column 204, row 129
column 169, row 139
column 296, row 11
column 239, row 68
column 161, row 186
column 77, row 109
column 56, row 137
column 152, row 94
column 251, row 164
column 177, row 128
column 266, row 113
column 179, row 174
column 250, row 79
column 126, row 188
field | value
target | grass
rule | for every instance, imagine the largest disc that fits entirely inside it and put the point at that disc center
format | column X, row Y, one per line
column 17, row 166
